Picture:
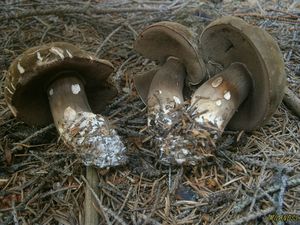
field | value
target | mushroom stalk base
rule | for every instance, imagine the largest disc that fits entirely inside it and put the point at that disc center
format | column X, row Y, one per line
column 165, row 101
column 165, row 93
column 213, row 105
column 88, row 134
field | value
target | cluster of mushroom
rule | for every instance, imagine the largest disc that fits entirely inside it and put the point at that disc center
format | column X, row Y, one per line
column 60, row 82
column 241, row 97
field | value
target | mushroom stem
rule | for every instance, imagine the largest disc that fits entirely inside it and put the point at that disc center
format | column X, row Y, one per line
column 219, row 98
column 67, row 98
column 87, row 133
column 165, row 92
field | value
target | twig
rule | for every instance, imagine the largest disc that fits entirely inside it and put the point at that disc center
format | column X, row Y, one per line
column 258, row 187
column 280, row 199
column 107, row 39
column 63, row 10
column 134, row 32
column 150, row 220
column 290, row 183
column 124, row 203
column 255, row 162
column 158, row 196
column 262, row 11
column 278, row 18
column 177, row 180
column 90, row 213
column 116, row 102
column 292, row 101
column 23, row 204
column 118, row 73
column 128, row 132
column 102, row 207
column 41, row 213
column 253, row 216
column 26, row 140
column 14, row 214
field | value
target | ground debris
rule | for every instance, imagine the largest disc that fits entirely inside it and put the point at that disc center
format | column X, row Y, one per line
column 249, row 177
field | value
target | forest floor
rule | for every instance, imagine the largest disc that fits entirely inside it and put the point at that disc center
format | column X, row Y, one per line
column 253, row 178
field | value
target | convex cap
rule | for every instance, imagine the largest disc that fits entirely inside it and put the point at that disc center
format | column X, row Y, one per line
column 31, row 73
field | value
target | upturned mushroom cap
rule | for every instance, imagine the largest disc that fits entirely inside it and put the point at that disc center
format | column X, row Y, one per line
column 231, row 39
column 30, row 74
column 164, row 39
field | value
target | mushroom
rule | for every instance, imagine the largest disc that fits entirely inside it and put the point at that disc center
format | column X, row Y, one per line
column 59, row 82
column 175, row 47
column 247, row 93
column 244, row 95
column 165, row 92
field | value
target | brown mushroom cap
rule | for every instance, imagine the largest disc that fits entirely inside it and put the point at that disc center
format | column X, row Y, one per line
column 30, row 74
column 161, row 40
column 231, row 39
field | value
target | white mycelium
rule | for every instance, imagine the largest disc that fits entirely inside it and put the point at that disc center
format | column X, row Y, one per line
column 20, row 68
column 75, row 89
column 177, row 100
column 60, row 130
column 163, row 113
column 175, row 149
column 210, row 117
column 97, row 143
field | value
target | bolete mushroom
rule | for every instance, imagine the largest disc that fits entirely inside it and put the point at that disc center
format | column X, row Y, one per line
column 174, row 46
column 247, row 93
column 244, row 95
column 60, row 82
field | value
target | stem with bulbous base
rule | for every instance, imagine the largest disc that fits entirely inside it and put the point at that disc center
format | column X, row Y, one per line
column 212, row 106
column 165, row 93
column 86, row 133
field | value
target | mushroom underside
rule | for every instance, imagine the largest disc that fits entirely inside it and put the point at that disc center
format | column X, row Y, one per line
column 230, row 40
column 165, row 39
column 30, row 98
